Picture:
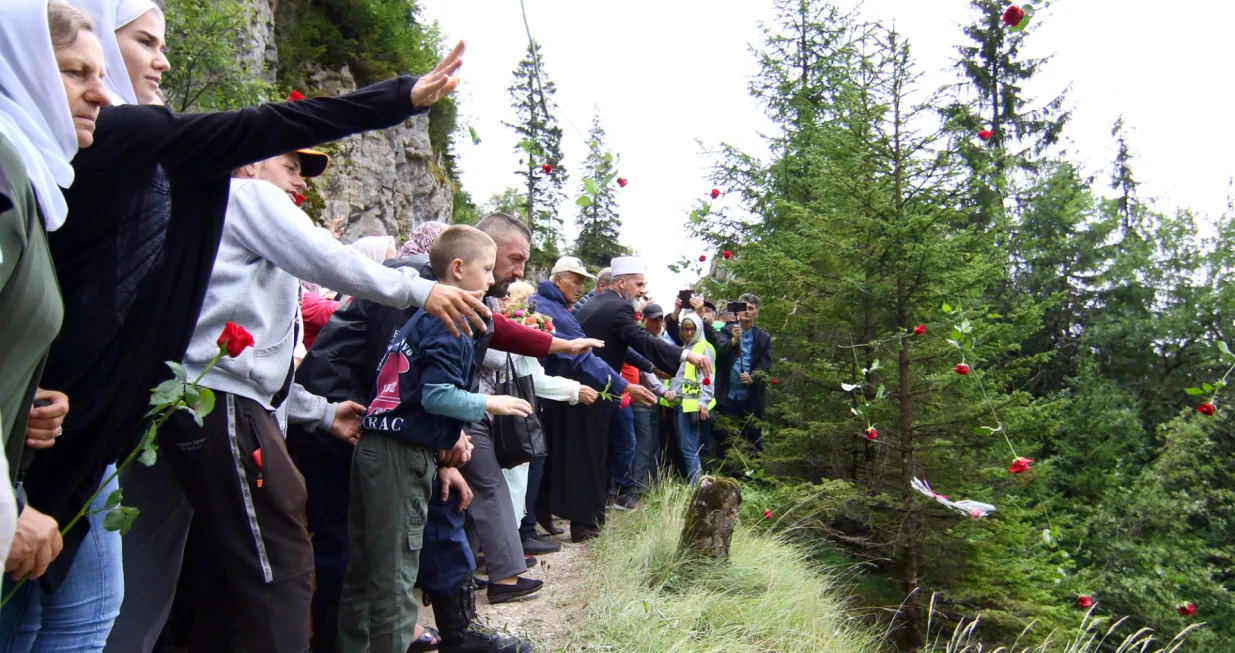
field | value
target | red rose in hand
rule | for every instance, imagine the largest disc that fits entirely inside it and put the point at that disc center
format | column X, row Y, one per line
column 961, row 369
column 622, row 182
column 625, row 401
column 767, row 514
column 1084, row 602
column 919, row 330
column 871, row 433
column 707, row 381
column 295, row 95
column 727, row 254
column 1206, row 409
column 1187, row 610
column 1020, row 465
column 715, row 193
column 299, row 199
column 235, row 339
column 548, row 169
column 1013, row 15
column 985, row 134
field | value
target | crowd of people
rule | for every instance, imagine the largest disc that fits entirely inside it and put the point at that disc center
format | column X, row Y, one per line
column 395, row 417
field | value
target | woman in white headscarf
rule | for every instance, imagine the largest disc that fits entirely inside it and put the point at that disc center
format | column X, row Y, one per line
column 134, row 56
column 378, row 248
column 51, row 91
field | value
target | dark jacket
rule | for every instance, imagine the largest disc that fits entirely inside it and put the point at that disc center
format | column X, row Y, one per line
column 585, row 368
column 153, row 174
column 423, row 354
column 610, row 318
column 760, row 361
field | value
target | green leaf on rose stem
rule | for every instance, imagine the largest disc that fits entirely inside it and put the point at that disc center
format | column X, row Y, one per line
column 167, row 392
column 984, row 430
column 1027, row 8
column 954, row 343
column 880, row 392
column 584, row 201
column 848, row 387
column 608, row 157
column 114, row 499
column 205, row 403
column 965, row 327
column 150, row 454
column 178, row 370
column 120, row 519
column 875, row 365
column 969, row 346
column 608, row 179
column 1207, row 387
column 130, row 516
column 947, row 308
column 696, row 217
column 956, row 334
column 854, row 410
column 1194, row 391
column 475, row 137
column 1224, row 348
column 590, row 186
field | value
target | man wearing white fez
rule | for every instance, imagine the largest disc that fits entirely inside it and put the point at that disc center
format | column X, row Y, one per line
column 579, row 477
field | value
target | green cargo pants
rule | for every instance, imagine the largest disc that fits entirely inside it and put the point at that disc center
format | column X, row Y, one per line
column 387, row 507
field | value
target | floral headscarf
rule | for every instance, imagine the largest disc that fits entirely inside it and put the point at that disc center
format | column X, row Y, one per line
column 421, row 238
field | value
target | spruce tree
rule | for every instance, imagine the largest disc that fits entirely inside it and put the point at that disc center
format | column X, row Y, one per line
column 599, row 224
column 540, row 145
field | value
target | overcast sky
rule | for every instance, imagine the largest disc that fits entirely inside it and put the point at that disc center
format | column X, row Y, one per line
column 667, row 75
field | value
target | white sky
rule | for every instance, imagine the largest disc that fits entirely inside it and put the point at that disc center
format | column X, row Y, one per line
column 667, row 75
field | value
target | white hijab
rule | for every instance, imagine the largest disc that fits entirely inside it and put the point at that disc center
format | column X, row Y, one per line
column 34, row 109
column 109, row 16
column 375, row 247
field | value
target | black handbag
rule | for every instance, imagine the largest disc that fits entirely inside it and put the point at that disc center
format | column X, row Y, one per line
column 517, row 440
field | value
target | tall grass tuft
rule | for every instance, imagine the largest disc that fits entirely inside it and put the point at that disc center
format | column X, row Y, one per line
column 647, row 596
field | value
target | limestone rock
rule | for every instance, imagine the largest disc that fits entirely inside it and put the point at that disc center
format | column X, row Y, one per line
column 255, row 39
column 711, row 517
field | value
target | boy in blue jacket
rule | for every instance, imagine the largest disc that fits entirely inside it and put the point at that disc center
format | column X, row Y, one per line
column 420, row 408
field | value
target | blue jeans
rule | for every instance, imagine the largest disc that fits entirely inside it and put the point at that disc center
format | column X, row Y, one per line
column 79, row 615
column 647, row 445
column 688, row 437
column 621, row 448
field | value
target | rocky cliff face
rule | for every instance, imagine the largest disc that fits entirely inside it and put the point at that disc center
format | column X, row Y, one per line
column 383, row 182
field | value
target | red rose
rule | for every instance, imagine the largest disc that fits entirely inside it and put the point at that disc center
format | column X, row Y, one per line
column 961, row 369
column 1013, row 15
column 1084, row 602
column 985, row 134
column 295, row 95
column 1187, row 610
column 547, row 168
column 775, row 381
column 703, row 257
column 235, row 339
column 1020, row 465
column 707, row 381
column 919, row 330
column 299, row 199
column 715, row 193
column 622, row 182
column 625, row 401
column 767, row 514
column 1206, row 409
column 871, row 433
column 727, row 254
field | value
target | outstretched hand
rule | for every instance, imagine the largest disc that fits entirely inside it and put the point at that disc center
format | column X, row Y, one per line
column 441, row 81
column 456, row 307
column 700, row 361
column 576, row 346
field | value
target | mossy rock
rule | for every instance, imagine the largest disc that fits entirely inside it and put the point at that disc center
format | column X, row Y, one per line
column 711, row 517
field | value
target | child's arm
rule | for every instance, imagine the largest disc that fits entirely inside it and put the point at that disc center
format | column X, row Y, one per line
column 444, row 361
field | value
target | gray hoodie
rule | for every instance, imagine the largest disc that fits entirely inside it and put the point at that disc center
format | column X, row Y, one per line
column 268, row 246
column 705, row 391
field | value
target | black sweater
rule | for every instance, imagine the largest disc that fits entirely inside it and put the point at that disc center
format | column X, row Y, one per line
column 133, row 268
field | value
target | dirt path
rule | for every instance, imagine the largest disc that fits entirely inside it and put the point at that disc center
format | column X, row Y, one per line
column 548, row 616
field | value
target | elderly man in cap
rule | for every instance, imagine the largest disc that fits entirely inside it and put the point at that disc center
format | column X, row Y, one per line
column 578, row 472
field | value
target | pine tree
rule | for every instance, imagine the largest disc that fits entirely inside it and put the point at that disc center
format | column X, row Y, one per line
column 540, row 145
column 599, row 224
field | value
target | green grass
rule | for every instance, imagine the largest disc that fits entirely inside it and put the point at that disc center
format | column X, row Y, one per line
column 645, row 596
column 648, row 597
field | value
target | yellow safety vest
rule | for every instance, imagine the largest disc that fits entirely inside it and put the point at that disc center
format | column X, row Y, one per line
column 689, row 404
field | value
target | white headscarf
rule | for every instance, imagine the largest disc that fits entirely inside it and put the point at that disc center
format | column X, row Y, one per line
column 34, row 109
column 693, row 317
column 375, row 247
column 109, row 16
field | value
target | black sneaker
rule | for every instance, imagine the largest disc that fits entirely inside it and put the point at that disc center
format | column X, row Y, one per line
column 626, row 502
column 499, row 593
column 537, row 545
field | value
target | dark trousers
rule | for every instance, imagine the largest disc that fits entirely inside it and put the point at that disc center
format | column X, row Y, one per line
column 535, row 477
column 492, row 525
column 621, row 448
column 256, row 520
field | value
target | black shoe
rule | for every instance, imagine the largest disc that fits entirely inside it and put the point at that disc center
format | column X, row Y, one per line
column 530, row 561
column 537, row 545
column 626, row 502
column 546, row 522
column 461, row 629
column 499, row 593
column 583, row 533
